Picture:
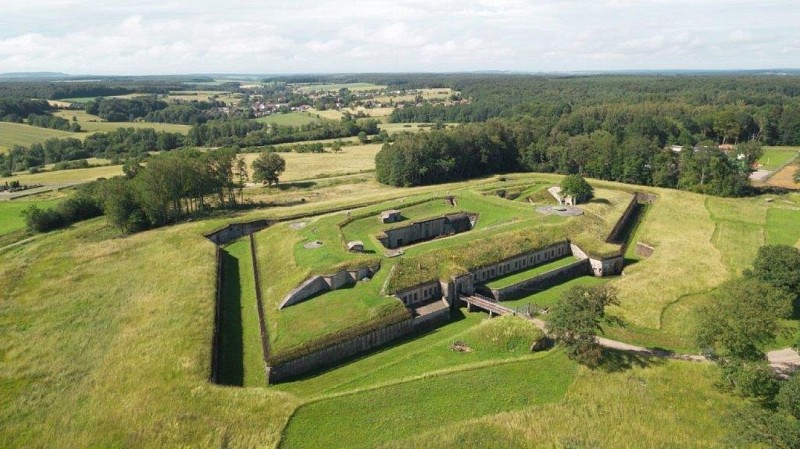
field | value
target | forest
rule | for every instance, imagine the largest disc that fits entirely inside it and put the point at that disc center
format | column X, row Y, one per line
column 504, row 145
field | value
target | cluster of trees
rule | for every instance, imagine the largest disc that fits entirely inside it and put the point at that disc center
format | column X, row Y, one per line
column 248, row 133
column 115, row 145
column 53, row 122
column 447, row 155
column 171, row 187
column 192, row 113
column 124, row 109
column 742, row 319
column 519, row 145
column 17, row 109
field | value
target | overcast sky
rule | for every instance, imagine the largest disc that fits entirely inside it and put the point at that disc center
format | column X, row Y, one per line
column 302, row 36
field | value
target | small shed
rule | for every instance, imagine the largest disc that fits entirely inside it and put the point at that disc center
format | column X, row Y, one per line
column 356, row 246
column 391, row 216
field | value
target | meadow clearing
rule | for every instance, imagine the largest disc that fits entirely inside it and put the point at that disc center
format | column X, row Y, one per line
column 110, row 348
column 290, row 119
column 92, row 123
column 12, row 134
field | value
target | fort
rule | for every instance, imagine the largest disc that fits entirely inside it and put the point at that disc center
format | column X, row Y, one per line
column 429, row 303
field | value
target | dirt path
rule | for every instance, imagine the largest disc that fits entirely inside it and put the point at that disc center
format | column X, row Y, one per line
column 783, row 361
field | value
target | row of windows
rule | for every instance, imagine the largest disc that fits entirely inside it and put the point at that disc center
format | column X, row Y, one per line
column 412, row 298
column 483, row 275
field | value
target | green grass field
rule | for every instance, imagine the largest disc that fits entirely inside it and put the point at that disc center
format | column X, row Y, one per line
column 106, row 340
column 11, row 218
column 775, row 157
column 428, row 404
column 21, row 134
column 290, row 119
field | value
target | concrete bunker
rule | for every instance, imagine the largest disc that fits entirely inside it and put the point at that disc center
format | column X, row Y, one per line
column 420, row 231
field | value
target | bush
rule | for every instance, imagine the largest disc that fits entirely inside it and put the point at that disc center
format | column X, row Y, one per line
column 788, row 398
column 751, row 380
column 43, row 220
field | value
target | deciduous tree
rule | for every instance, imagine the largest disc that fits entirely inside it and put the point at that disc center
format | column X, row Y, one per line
column 267, row 167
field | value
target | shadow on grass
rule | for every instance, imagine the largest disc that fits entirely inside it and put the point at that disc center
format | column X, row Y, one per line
column 615, row 361
column 231, row 350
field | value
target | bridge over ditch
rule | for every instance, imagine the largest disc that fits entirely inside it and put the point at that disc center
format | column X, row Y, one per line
column 485, row 303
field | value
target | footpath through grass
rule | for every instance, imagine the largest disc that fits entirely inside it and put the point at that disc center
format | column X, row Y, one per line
column 369, row 418
column 241, row 358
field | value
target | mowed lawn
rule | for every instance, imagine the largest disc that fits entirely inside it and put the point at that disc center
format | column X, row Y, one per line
column 775, row 157
column 633, row 402
column 783, row 227
column 405, row 409
column 12, row 134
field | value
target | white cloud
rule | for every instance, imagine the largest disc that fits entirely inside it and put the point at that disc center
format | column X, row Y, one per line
column 158, row 36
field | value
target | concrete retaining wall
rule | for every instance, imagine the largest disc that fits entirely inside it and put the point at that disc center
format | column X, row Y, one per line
column 262, row 319
column 216, row 334
column 427, row 230
column 335, row 354
column 615, row 236
column 607, row 267
column 540, row 282
column 326, row 282
column 235, row 230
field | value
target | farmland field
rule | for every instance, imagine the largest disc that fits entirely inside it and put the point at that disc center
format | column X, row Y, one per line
column 92, row 123
column 290, row 119
column 74, row 176
column 352, row 159
column 21, row 134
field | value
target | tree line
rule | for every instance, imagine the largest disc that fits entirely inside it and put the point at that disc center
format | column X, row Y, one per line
column 169, row 188
column 500, row 146
column 115, row 145
column 250, row 133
